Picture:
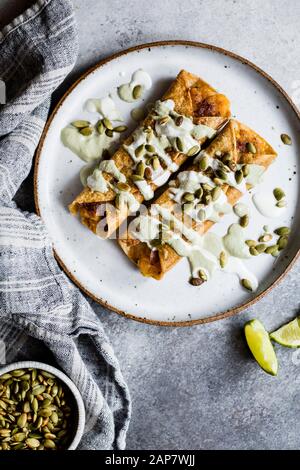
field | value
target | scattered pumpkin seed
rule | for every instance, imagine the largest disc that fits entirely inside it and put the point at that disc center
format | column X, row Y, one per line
column 221, row 174
column 276, row 253
column 261, row 247
column 218, row 181
column 109, row 133
column 265, row 238
column 179, row 144
column 199, row 193
column 155, row 163
column 188, row 197
column 216, row 193
column 282, row 242
column 139, row 150
column 239, row 176
column 164, row 120
column 207, row 187
column 140, row 169
column 245, row 170
column 193, row 150
column 150, row 148
column 207, row 199
column 196, row 281
column 203, row 163
column 80, row 124
column 244, row 221
column 108, row 124
column 202, row 275
column 286, row 139
column 148, row 173
column 247, row 284
column 253, row 251
column 137, row 92
column 120, row 129
column 250, row 147
column 251, row 243
column 278, row 194
column 226, row 158
column 271, row 249
column 188, row 206
column 86, row 131
column 137, row 178
column 282, row 231
column 100, row 127
column 179, row 121
column 281, row 204
column 223, row 259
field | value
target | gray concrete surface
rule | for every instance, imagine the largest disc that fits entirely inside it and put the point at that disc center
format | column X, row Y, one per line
column 198, row 388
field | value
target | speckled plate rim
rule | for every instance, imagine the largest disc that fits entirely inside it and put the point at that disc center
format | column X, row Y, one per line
column 221, row 315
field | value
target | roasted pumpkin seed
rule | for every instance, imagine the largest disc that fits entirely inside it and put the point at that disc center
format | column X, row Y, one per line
column 179, row 144
column 250, row 147
column 244, row 221
column 281, row 204
column 282, row 231
column 247, row 284
column 203, row 163
column 137, row 92
column 193, row 150
column 286, row 139
column 86, row 131
column 251, row 243
column 239, row 176
column 80, row 124
column 120, row 128
column 278, row 194
column 223, row 259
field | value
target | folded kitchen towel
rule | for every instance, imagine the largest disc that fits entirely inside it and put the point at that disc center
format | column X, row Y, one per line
column 38, row 49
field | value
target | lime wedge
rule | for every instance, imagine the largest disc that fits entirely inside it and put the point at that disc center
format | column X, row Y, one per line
column 288, row 335
column 261, row 347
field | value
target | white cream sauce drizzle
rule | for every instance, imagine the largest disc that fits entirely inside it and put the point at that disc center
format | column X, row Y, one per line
column 265, row 203
column 203, row 251
column 164, row 136
column 86, row 171
column 106, row 107
column 88, row 148
column 188, row 132
column 139, row 77
column 97, row 182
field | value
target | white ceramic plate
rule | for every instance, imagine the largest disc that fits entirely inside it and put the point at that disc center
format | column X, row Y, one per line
column 98, row 266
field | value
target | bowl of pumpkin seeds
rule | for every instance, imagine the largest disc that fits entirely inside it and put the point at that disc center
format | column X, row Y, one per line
column 40, row 408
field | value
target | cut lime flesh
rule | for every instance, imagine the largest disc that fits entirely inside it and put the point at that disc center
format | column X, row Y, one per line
column 261, row 347
column 288, row 335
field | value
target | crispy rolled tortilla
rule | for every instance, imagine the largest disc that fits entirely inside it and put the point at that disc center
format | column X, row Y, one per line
column 194, row 99
column 235, row 139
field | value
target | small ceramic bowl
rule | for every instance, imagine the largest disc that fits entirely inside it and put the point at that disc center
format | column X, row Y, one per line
column 78, row 431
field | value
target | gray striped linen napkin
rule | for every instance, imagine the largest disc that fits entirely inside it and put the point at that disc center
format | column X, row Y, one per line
column 38, row 49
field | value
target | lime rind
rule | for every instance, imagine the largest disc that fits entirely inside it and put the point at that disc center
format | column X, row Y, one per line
column 288, row 335
column 261, row 347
